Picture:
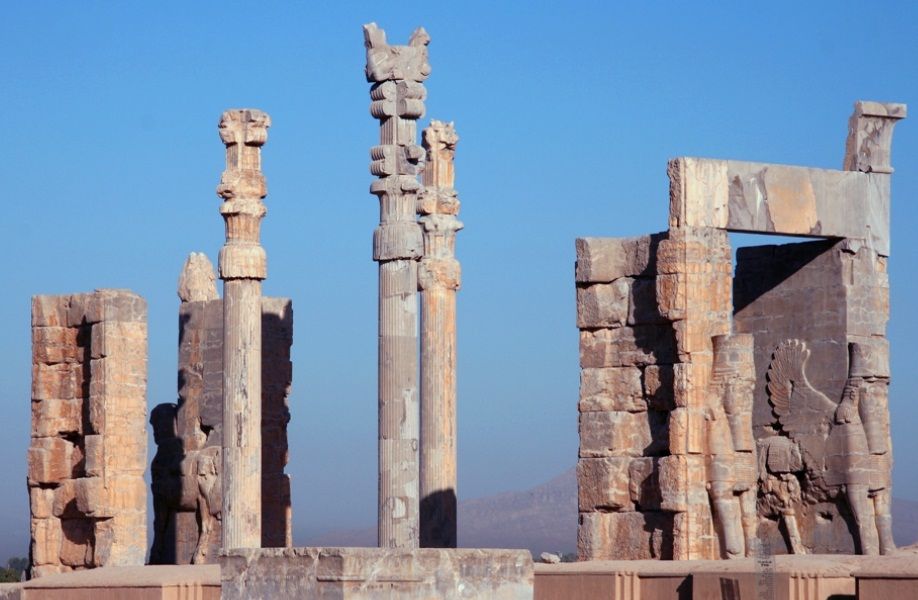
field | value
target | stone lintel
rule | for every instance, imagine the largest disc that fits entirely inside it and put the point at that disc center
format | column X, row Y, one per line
column 780, row 199
column 358, row 573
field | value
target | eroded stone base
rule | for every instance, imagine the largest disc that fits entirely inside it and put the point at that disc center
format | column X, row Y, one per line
column 357, row 573
column 784, row 577
column 152, row 582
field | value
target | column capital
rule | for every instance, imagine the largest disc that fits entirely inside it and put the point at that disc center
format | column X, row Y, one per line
column 247, row 126
column 242, row 187
column 390, row 63
column 870, row 128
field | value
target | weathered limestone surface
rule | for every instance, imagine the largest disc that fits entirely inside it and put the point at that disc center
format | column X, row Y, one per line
column 779, row 577
column 781, row 199
column 186, row 470
column 769, row 198
column 160, row 582
column 623, row 424
column 397, row 95
column 811, row 307
column 757, row 406
column 439, row 278
column 88, row 450
column 364, row 573
column 243, row 265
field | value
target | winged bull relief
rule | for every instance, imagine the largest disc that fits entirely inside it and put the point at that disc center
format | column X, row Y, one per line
column 825, row 451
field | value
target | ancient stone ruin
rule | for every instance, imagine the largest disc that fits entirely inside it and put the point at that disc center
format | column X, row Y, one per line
column 187, row 486
column 729, row 408
column 88, row 451
column 725, row 414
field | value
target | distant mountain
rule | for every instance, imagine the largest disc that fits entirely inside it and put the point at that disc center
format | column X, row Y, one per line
column 541, row 519
column 544, row 519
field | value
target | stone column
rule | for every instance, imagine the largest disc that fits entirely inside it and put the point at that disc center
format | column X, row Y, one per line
column 243, row 264
column 397, row 101
column 438, row 279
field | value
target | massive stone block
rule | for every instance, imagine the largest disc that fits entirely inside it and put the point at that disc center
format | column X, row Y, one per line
column 88, row 450
column 365, row 573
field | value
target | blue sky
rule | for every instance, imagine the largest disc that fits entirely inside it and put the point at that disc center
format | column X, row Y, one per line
column 567, row 116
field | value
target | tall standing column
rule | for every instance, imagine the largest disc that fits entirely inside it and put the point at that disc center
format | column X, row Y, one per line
column 243, row 264
column 397, row 101
column 438, row 279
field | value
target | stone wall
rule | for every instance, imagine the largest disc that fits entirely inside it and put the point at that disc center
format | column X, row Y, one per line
column 829, row 295
column 186, row 478
column 705, row 434
column 88, row 449
column 627, row 352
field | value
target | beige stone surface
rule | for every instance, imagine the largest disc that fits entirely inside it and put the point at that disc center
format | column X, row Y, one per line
column 439, row 277
column 660, row 310
column 88, row 450
column 243, row 265
column 126, row 583
column 624, row 535
column 358, row 573
column 603, row 260
column 397, row 101
column 611, row 389
column 780, row 199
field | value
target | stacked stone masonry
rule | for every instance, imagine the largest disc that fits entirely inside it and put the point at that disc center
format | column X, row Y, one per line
column 186, row 470
column 720, row 413
column 88, row 448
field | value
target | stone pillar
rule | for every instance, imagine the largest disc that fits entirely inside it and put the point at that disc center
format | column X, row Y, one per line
column 626, row 501
column 397, row 101
column 243, row 264
column 438, row 279
column 88, row 450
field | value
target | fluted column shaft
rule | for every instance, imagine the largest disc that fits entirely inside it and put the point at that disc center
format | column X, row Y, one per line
column 439, row 278
column 397, row 101
column 243, row 265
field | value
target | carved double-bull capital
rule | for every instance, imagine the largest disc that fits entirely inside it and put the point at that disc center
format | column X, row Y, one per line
column 390, row 63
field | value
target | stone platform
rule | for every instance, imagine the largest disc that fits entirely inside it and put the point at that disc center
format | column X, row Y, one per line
column 811, row 577
column 154, row 582
column 369, row 573
column 360, row 573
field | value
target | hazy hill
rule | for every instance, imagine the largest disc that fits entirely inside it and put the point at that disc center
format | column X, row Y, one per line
column 544, row 518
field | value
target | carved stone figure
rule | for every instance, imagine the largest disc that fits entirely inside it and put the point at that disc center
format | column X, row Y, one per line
column 389, row 63
column 779, row 488
column 867, row 393
column 165, row 481
column 731, row 459
column 209, row 504
column 836, row 459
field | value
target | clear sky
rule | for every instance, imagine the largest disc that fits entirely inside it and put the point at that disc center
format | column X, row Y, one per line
column 567, row 115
